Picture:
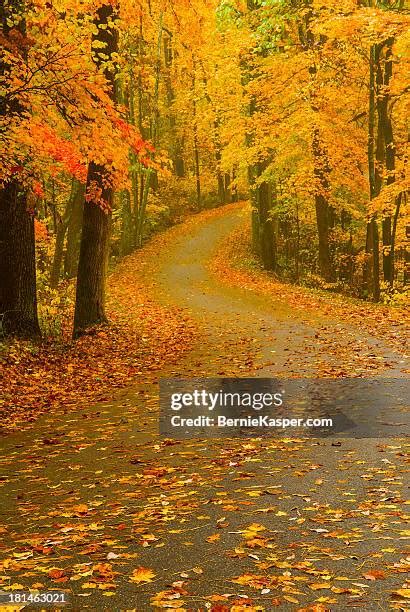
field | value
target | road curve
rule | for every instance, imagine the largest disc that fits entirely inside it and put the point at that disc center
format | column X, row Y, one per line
column 96, row 493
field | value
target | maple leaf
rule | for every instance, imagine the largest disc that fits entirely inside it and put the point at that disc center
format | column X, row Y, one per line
column 253, row 580
column 213, row 538
column 319, row 585
column 142, row 574
column 374, row 575
column 251, row 531
column 57, row 574
column 291, row 599
column 404, row 593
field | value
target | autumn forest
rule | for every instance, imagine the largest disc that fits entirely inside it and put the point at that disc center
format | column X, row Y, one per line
column 200, row 188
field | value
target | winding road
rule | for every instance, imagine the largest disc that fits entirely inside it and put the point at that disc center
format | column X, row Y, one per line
column 95, row 492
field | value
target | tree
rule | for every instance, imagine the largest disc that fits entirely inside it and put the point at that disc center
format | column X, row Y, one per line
column 260, row 188
column 321, row 164
column 92, row 265
column 74, row 232
column 18, row 298
column 372, row 267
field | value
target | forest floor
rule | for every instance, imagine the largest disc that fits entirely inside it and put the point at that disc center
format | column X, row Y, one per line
column 97, row 504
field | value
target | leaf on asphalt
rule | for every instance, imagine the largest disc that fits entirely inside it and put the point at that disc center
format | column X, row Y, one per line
column 142, row 574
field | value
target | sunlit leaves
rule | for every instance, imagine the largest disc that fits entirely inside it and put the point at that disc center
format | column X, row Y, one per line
column 142, row 574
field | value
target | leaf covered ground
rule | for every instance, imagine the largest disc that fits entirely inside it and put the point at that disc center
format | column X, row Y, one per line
column 235, row 264
column 37, row 378
column 97, row 504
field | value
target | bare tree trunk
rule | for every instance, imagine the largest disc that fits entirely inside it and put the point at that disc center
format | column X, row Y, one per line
column 267, row 239
column 371, row 269
column 221, row 179
column 228, row 194
column 394, row 228
column 153, row 182
column 72, row 252
column 321, row 171
column 90, row 296
column 18, row 297
column 196, row 149
column 234, row 189
column 92, row 265
column 62, row 225
column 126, row 223
column 197, row 167
column 384, row 71
column 177, row 144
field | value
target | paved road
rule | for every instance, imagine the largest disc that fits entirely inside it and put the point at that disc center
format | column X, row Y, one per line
column 91, row 494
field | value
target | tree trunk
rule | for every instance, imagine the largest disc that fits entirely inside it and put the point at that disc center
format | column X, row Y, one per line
column 221, row 187
column 384, row 70
column 153, row 182
column 179, row 161
column 177, row 147
column 61, row 229
column 394, row 228
column 142, row 208
column 197, row 167
column 228, row 194
column 196, row 149
column 18, row 296
column 267, row 241
column 234, row 189
column 216, row 138
column 126, row 239
column 321, row 172
column 372, row 276
column 74, row 233
column 58, row 253
column 92, row 265
column 321, row 167
column 263, row 237
column 371, row 268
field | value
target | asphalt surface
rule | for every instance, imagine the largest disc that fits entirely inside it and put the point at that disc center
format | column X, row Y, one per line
column 95, row 492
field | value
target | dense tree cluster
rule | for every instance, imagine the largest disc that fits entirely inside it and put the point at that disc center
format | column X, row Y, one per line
column 118, row 114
